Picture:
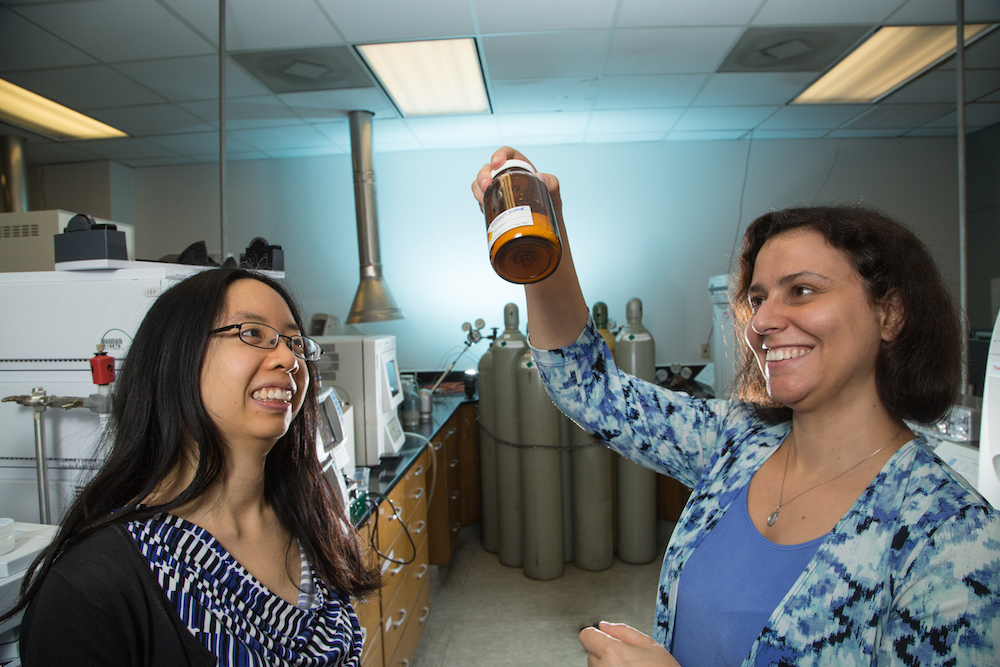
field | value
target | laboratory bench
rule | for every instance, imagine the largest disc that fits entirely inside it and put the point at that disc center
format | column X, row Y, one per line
column 424, row 496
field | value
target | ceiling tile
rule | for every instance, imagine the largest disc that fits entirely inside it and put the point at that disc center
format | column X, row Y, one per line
column 863, row 134
column 24, row 45
column 158, row 161
column 200, row 143
column 941, row 87
column 122, row 149
column 118, row 30
column 151, row 119
column 569, row 94
column 264, row 24
column 231, row 157
column 326, row 104
column 390, row 135
column 799, row 12
column 88, row 87
column 706, row 135
column 789, row 134
column 649, row 90
column 189, row 79
column 466, row 127
column 633, row 120
column 977, row 115
column 55, row 153
column 276, row 138
column 994, row 97
column 537, row 124
column 624, row 137
column 545, row 55
column 669, row 50
column 930, row 132
column 930, row 12
column 753, row 88
column 305, row 152
column 543, row 139
column 812, row 116
column 243, row 113
column 339, row 132
column 388, row 20
column 649, row 13
column 723, row 118
column 202, row 16
column 524, row 15
column 898, row 116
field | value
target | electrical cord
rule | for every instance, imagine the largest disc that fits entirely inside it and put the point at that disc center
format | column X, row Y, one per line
column 374, row 506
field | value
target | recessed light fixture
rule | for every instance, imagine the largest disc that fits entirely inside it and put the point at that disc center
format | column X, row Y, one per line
column 35, row 113
column 891, row 57
column 427, row 78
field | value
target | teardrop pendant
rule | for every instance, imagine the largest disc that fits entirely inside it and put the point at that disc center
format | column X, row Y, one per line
column 771, row 520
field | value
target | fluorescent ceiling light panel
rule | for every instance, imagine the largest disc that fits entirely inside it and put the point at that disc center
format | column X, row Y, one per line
column 429, row 78
column 885, row 61
column 33, row 112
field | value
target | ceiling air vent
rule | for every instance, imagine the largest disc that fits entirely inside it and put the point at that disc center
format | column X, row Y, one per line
column 792, row 49
column 302, row 70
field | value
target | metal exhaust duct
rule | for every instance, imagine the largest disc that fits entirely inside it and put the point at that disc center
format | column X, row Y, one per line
column 373, row 302
column 13, row 174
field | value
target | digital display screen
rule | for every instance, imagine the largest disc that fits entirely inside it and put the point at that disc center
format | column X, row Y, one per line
column 390, row 368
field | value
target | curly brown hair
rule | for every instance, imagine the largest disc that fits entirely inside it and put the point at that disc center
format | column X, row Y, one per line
column 918, row 374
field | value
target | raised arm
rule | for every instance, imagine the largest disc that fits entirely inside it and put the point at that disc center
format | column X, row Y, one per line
column 557, row 311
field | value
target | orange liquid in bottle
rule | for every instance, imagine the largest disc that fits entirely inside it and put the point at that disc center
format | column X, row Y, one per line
column 521, row 228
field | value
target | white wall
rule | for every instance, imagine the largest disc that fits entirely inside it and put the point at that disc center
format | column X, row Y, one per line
column 653, row 220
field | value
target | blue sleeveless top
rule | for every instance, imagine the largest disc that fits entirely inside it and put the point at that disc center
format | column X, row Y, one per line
column 730, row 586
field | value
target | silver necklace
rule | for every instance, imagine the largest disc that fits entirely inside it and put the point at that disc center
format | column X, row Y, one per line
column 773, row 518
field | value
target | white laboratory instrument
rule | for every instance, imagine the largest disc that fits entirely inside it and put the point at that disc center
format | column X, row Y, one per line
column 26, row 239
column 335, row 442
column 29, row 540
column 723, row 342
column 363, row 369
column 989, row 434
column 955, row 438
column 58, row 317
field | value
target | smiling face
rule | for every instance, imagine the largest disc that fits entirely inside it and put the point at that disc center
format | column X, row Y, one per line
column 252, row 394
column 813, row 330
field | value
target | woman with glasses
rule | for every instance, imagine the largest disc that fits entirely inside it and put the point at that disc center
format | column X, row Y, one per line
column 210, row 535
column 820, row 530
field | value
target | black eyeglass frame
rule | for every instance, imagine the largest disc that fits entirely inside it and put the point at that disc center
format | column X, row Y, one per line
column 289, row 340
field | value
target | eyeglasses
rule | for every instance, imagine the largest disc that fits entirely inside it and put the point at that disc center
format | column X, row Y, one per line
column 265, row 337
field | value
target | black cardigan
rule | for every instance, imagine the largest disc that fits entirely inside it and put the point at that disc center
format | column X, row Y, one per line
column 101, row 605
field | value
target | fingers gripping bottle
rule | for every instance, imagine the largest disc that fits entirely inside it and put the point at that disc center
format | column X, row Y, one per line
column 521, row 224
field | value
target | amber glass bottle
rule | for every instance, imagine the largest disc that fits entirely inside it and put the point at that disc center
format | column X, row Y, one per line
column 521, row 225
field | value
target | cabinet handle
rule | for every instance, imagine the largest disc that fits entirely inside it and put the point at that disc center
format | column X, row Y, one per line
column 388, row 562
column 427, row 612
column 401, row 620
column 396, row 570
column 438, row 445
column 405, row 663
column 453, row 463
column 364, row 635
column 419, row 528
column 457, row 526
column 423, row 570
column 455, row 495
column 418, row 471
column 419, row 493
column 452, row 431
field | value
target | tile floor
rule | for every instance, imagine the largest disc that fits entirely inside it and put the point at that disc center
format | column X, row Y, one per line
column 484, row 613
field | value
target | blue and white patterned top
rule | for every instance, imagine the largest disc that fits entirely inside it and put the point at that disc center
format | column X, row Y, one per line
column 909, row 576
column 235, row 616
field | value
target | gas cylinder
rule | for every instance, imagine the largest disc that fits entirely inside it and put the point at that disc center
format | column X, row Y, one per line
column 541, row 475
column 635, row 353
column 601, row 322
column 507, row 352
column 593, row 514
column 488, row 450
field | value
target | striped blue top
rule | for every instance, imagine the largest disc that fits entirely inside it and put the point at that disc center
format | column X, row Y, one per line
column 235, row 616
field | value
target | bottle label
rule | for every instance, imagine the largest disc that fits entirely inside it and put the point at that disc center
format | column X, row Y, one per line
column 519, row 216
column 633, row 337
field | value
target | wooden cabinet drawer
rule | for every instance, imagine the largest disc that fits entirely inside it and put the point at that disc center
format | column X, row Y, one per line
column 371, row 654
column 406, row 649
column 394, row 573
column 369, row 613
column 402, row 608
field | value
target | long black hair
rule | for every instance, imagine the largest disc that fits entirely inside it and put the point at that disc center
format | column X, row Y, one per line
column 156, row 417
column 918, row 374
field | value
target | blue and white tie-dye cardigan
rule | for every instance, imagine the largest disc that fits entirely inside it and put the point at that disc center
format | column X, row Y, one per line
column 909, row 576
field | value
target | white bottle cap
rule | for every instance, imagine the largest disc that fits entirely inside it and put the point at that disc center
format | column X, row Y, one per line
column 513, row 163
column 6, row 535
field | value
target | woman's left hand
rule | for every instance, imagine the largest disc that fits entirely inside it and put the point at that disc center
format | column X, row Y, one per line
column 617, row 644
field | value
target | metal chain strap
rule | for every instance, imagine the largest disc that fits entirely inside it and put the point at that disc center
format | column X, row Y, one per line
column 521, row 445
